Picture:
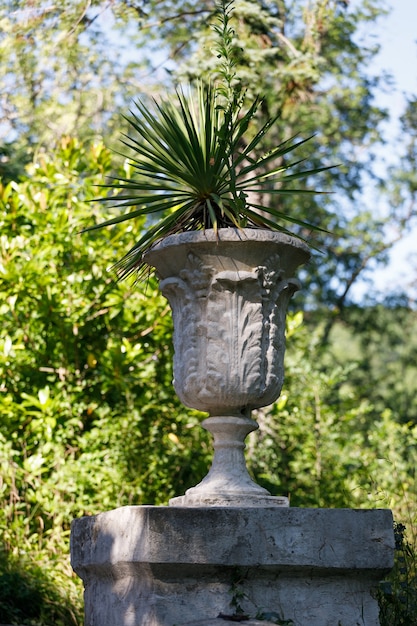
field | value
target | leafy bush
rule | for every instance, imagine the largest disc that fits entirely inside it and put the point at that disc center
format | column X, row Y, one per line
column 324, row 446
column 89, row 420
column 29, row 597
column 397, row 595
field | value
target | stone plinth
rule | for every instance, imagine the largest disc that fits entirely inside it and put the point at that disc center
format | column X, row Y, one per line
column 166, row 566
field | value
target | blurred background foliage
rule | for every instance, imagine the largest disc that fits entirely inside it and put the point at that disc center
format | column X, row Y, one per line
column 89, row 419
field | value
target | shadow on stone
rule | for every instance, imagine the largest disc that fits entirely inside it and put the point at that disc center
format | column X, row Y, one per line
column 166, row 566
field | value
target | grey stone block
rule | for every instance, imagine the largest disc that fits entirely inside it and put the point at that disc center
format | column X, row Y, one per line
column 166, row 566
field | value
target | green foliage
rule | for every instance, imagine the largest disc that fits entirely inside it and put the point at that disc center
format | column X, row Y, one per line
column 63, row 68
column 397, row 594
column 380, row 342
column 28, row 595
column 89, row 420
column 325, row 446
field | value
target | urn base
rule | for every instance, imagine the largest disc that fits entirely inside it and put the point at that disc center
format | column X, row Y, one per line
column 229, row 500
column 228, row 482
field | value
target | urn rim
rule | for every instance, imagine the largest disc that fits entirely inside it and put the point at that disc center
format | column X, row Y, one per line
column 229, row 241
column 236, row 235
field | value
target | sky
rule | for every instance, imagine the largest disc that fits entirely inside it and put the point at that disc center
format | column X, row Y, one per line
column 397, row 35
column 398, row 39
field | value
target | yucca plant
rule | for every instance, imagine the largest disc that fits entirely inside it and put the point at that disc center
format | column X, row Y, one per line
column 194, row 167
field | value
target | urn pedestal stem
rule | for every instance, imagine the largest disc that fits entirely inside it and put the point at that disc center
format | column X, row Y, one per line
column 228, row 482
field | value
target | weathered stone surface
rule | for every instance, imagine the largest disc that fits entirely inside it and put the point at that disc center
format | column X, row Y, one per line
column 229, row 292
column 160, row 566
column 223, row 622
column 228, row 482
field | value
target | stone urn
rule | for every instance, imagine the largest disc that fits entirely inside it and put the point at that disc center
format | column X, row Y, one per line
column 228, row 292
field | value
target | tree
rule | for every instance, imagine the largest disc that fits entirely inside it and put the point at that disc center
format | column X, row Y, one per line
column 310, row 66
column 66, row 68
column 310, row 60
column 401, row 184
column 379, row 340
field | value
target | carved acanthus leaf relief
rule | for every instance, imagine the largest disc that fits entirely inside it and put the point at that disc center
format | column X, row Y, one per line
column 186, row 294
column 277, row 292
column 234, row 320
column 229, row 336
